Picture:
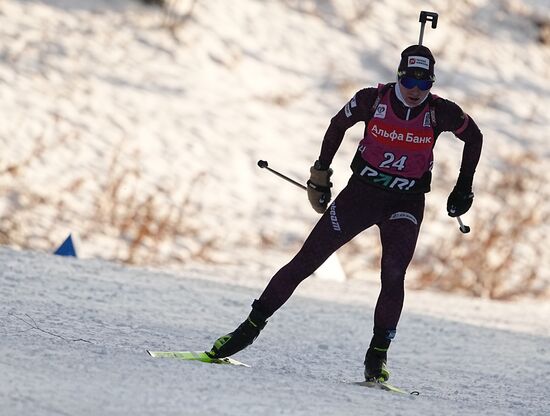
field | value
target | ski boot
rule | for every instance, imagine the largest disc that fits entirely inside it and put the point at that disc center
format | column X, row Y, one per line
column 377, row 355
column 241, row 337
column 376, row 365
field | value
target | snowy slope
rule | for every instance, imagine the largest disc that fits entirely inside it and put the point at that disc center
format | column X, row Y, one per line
column 74, row 334
column 144, row 144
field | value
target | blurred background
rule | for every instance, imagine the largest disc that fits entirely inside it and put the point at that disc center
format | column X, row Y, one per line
column 136, row 126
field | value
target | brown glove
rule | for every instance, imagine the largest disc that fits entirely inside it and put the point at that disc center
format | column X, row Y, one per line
column 318, row 188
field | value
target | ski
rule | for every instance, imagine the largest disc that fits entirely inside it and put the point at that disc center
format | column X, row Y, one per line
column 195, row 356
column 384, row 385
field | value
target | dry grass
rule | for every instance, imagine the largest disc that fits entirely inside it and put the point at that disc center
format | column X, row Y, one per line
column 500, row 259
column 146, row 221
column 21, row 204
column 143, row 223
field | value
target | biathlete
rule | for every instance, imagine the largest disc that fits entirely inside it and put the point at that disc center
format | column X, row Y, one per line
column 391, row 174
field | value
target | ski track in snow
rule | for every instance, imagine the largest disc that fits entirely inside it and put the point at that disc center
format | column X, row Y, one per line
column 302, row 364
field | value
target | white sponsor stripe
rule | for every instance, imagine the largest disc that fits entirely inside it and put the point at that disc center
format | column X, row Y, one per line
column 404, row 216
column 347, row 110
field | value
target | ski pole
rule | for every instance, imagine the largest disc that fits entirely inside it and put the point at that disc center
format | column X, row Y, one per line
column 425, row 17
column 263, row 164
column 432, row 17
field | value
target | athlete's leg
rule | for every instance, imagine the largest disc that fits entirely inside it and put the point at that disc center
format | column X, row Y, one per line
column 355, row 209
column 398, row 234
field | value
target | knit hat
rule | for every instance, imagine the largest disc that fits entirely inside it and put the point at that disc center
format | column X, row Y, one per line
column 418, row 62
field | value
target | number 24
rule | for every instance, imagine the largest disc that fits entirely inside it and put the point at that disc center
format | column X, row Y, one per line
column 390, row 161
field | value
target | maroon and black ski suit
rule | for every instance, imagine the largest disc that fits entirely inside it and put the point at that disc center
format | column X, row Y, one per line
column 391, row 174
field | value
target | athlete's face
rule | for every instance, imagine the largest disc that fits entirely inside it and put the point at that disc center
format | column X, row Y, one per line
column 413, row 96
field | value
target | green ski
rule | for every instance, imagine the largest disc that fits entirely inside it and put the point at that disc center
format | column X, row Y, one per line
column 195, row 356
column 384, row 385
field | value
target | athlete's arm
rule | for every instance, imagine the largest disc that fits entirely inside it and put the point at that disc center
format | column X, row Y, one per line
column 450, row 117
column 356, row 110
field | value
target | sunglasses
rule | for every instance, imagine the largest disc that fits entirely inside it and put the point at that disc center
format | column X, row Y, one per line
column 410, row 82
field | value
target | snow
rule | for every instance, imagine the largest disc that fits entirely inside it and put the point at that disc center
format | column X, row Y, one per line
column 74, row 335
column 143, row 144
column 110, row 112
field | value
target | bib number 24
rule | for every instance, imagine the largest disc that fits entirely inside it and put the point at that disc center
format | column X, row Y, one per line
column 390, row 162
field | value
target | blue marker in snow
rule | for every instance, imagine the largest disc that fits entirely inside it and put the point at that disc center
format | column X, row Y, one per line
column 67, row 248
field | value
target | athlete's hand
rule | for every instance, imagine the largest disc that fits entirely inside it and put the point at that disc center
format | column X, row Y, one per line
column 461, row 198
column 318, row 188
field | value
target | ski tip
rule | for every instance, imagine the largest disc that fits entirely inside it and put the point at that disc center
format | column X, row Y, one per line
column 149, row 352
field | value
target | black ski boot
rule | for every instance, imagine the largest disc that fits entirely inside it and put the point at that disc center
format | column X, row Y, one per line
column 241, row 337
column 377, row 355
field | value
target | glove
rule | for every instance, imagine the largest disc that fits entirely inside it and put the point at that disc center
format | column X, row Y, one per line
column 461, row 198
column 318, row 187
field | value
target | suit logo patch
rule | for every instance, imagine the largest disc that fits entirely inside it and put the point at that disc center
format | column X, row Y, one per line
column 334, row 218
column 351, row 104
column 419, row 62
column 381, row 111
column 427, row 120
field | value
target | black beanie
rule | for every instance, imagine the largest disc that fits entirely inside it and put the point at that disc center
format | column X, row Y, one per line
column 418, row 62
